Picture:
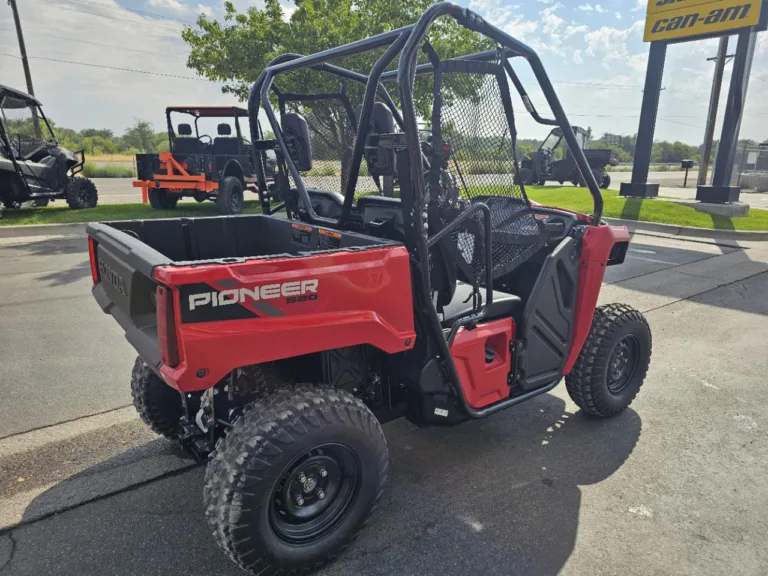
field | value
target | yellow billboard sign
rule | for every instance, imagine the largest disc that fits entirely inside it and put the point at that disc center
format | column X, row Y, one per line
column 674, row 19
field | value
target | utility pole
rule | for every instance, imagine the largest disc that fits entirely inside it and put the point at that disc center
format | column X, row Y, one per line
column 25, row 62
column 714, row 99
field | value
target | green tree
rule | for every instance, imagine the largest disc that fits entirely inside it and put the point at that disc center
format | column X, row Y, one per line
column 140, row 136
column 236, row 50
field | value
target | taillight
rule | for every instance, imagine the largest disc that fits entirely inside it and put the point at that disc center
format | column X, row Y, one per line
column 94, row 263
column 166, row 327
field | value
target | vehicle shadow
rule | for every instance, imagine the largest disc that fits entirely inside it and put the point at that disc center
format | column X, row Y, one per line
column 53, row 247
column 496, row 496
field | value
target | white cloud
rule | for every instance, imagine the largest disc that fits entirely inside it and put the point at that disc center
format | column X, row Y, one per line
column 610, row 44
column 545, row 1
column 202, row 9
column 577, row 56
column 557, row 31
column 599, row 8
column 618, row 15
column 172, row 5
column 520, row 28
column 585, row 7
column 77, row 96
column 640, row 5
column 493, row 11
column 507, row 17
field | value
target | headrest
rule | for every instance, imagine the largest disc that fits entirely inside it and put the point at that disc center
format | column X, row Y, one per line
column 382, row 121
column 185, row 130
column 224, row 129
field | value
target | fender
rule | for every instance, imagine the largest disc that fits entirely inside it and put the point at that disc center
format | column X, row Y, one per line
column 597, row 243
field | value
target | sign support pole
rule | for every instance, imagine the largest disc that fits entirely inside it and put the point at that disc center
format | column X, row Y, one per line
column 639, row 187
column 721, row 190
column 714, row 100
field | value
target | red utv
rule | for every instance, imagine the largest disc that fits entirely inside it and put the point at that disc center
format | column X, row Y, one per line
column 404, row 282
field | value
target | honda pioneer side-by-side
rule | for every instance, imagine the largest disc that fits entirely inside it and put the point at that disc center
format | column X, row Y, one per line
column 403, row 283
column 34, row 167
column 554, row 161
column 204, row 167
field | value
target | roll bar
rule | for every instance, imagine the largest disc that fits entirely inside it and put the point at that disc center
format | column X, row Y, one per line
column 411, row 37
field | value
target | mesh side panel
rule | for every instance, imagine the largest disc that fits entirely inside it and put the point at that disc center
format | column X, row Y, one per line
column 473, row 123
column 331, row 131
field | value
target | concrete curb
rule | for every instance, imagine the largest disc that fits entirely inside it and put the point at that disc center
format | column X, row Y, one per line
column 672, row 230
column 77, row 229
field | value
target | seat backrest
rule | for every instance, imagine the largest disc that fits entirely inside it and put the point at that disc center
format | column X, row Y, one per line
column 225, row 144
column 381, row 121
column 296, row 133
column 187, row 145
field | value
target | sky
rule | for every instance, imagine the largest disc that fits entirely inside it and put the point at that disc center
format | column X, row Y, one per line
column 84, row 55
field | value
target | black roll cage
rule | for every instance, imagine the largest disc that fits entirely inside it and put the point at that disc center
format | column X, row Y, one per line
column 407, row 41
column 172, row 133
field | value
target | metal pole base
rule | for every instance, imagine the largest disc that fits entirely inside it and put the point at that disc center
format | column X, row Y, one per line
column 717, row 194
column 638, row 190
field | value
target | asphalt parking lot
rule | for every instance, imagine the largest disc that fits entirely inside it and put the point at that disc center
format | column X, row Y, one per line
column 677, row 484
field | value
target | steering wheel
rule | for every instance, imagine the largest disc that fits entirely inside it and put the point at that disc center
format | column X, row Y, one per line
column 210, row 140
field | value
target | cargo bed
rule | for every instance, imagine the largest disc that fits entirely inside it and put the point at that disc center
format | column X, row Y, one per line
column 240, row 288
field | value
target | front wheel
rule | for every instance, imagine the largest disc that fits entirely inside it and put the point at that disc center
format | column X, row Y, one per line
column 295, row 479
column 81, row 193
column 613, row 363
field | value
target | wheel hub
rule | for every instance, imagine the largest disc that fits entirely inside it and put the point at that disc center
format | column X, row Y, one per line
column 623, row 364
column 314, row 493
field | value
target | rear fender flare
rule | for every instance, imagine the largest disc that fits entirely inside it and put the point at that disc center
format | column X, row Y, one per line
column 233, row 168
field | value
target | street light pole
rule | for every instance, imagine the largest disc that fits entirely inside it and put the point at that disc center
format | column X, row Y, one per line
column 24, row 61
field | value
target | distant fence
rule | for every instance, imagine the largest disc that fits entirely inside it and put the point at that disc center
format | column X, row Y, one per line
column 751, row 168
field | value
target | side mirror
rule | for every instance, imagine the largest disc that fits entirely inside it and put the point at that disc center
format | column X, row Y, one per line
column 296, row 134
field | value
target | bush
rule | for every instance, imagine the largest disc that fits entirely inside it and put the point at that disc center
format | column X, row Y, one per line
column 91, row 170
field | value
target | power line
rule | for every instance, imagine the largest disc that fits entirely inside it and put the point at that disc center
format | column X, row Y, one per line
column 113, row 68
column 108, row 46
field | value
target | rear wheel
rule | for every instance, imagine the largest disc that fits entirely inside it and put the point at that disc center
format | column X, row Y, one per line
column 526, row 176
column 158, row 404
column 606, row 180
column 613, row 363
column 230, row 197
column 295, row 479
column 81, row 193
column 162, row 199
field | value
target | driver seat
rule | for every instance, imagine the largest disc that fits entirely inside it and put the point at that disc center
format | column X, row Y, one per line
column 185, row 143
column 462, row 304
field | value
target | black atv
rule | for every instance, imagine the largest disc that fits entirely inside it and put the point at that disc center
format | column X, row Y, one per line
column 554, row 162
column 33, row 166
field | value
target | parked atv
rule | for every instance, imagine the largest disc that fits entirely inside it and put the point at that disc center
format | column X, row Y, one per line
column 542, row 166
column 33, row 166
column 200, row 166
column 273, row 348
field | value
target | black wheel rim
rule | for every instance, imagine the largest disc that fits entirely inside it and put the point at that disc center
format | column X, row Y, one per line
column 622, row 364
column 84, row 193
column 315, row 493
column 236, row 202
